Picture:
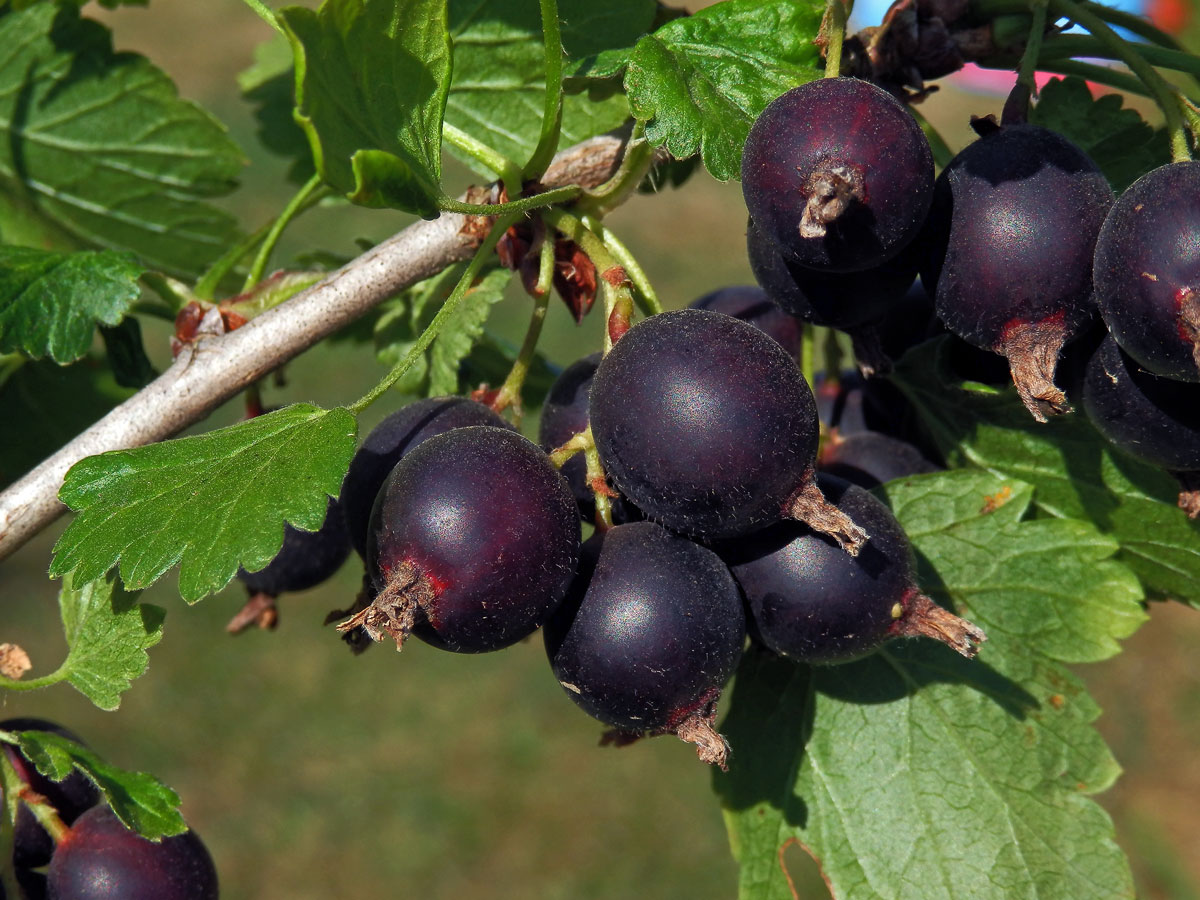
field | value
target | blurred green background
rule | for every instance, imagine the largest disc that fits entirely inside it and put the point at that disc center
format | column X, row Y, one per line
column 314, row 774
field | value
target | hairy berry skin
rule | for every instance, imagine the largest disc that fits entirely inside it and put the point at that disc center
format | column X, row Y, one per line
column 811, row 602
column 844, row 301
column 859, row 138
column 1147, row 270
column 704, row 422
column 489, row 525
column 1154, row 419
column 306, row 558
column 869, row 459
column 71, row 797
column 652, row 629
column 390, row 440
column 750, row 303
column 1010, row 242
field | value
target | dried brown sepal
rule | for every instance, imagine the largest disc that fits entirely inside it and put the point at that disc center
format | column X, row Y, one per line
column 711, row 746
column 259, row 610
column 355, row 638
column 1189, row 502
column 1032, row 349
column 808, row 505
column 1189, row 320
column 830, row 191
column 574, row 278
column 14, row 661
column 924, row 618
column 393, row 612
column 867, row 343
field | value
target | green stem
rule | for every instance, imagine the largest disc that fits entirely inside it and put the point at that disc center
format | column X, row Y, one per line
column 10, row 789
column 264, row 13
column 1164, row 95
column 482, row 255
column 834, row 29
column 10, row 364
column 596, row 476
column 1071, row 45
column 1033, row 47
column 1099, row 74
column 510, row 392
column 298, row 204
column 578, row 443
column 552, row 112
column 808, row 354
column 520, row 205
column 206, row 287
column 643, row 290
column 545, row 267
column 503, row 167
column 638, row 158
column 32, row 684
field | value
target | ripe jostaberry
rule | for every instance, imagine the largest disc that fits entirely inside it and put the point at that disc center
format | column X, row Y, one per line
column 837, row 174
column 1009, row 245
column 100, row 859
column 651, row 631
column 473, row 542
column 395, row 436
column 1147, row 271
column 810, row 602
column 707, row 425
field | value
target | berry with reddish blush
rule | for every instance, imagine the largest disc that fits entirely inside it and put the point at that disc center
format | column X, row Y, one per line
column 473, row 542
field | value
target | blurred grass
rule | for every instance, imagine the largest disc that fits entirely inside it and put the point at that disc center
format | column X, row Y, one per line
column 313, row 774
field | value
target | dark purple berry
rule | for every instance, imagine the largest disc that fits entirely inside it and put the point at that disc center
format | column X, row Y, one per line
column 854, row 302
column 70, row 797
column 101, row 859
column 707, row 425
column 1147, row 271
column 473, row 542
column 837, row 174
column 1154, row 419
column 870, row 459
column 650, row 633
column 750, row 303
column 564, row 415
column 1010, row 241
column 390, row 440
column 811, row 602
column 306, row 558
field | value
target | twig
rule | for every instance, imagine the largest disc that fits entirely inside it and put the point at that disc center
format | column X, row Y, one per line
column 210, row 371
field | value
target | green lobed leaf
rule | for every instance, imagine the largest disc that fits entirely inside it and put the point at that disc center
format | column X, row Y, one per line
column 1075, row 472
column 211, row 503
column 100, row 145
column 140, row 801
column 108, row 633
column 50, row 302
column 700, row 82
column 47, row 405
column 371, row 83
column 1118, row 140
column 498, row 90
column 915, row 773
column 437, row 372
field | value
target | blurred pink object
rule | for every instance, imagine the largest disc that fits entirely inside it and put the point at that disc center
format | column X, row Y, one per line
column 995, row 81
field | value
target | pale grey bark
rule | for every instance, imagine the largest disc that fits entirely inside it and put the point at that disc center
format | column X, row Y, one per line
column 214, row 368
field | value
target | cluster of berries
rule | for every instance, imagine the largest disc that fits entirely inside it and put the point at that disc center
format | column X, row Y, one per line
column 1018, row 244
column 91, row 855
